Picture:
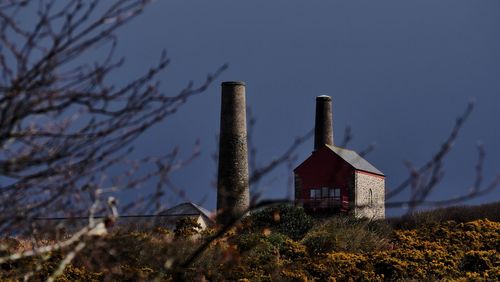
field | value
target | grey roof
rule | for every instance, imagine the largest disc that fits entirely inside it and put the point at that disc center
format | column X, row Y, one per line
column 354, row 159
column 187, row 208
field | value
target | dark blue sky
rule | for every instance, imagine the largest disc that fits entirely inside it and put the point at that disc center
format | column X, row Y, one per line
column 399, row 72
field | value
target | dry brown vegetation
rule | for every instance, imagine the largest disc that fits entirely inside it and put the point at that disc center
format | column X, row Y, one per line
column 458, row 246
column 65, row 127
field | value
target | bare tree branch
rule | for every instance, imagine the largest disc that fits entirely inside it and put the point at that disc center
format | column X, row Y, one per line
column 62, row 123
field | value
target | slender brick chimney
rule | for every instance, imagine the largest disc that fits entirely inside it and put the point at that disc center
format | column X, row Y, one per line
column 232, row 183
column 323, row 127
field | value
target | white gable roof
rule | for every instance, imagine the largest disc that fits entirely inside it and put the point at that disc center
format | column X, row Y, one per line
column 185, row 209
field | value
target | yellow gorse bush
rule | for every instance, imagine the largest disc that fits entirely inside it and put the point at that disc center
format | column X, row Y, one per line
column 438, row 251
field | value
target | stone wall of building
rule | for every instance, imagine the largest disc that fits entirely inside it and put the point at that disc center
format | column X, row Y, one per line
column 369, row 196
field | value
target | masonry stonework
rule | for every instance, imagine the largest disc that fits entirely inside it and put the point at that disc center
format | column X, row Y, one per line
column 369, row 196
column 233, row 197
column 337, row 180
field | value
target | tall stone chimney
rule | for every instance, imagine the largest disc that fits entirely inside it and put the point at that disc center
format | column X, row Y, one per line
column 232, row 180
column 323, row 127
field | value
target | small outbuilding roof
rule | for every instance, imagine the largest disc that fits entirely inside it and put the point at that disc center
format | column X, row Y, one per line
column 186, row 209
column 354, row 159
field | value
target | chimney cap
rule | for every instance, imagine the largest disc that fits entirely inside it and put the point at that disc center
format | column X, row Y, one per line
column 323, row 97
column 233, row 83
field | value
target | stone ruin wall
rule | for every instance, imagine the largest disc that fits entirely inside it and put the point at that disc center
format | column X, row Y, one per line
column 363, row 208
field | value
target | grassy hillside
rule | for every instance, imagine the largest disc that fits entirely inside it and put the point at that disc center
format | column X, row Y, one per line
column 285, row 244
column 489, row 211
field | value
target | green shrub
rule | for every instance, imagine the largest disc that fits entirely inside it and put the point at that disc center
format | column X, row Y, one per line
column 293, row 250
column 276, row 239
column 258, row 258
column 285, row 219
column 246, row 242
column 479, row 261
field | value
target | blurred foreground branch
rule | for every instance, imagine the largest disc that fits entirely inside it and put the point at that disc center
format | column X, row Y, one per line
column 423, row 180
column 63, row 123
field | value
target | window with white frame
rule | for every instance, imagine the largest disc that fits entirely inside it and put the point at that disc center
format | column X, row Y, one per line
column 325, row 193
column 315, row 194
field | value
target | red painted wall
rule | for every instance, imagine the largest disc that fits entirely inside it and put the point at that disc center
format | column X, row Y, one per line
column 324, row 168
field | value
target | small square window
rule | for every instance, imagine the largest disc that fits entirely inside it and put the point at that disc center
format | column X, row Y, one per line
column 337, row 193
column 315, row 193
column 332, row 193
column 324, row 192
